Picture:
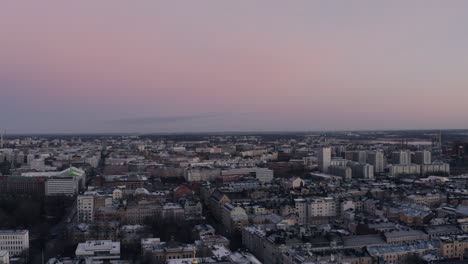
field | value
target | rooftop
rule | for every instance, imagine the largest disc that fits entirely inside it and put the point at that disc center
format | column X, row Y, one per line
column 13, row 232
column 89, row 247
column 417, row 246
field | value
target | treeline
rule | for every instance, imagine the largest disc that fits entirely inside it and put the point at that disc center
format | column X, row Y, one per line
column 5, row 167
column 176, row 229
column 20, row 212
column 26, row 212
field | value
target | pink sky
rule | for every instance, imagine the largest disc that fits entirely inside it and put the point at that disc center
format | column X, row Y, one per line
column 177, row 66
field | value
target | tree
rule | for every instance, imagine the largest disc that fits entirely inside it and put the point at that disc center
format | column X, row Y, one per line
column 5, row 167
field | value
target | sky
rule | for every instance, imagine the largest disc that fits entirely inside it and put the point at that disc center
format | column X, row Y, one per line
column 249, row 65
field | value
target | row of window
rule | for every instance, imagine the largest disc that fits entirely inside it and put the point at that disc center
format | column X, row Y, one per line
column 16, row 242
column 15, row 248
column 5, row 237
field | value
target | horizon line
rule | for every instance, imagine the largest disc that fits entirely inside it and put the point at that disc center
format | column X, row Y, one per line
column 228, row 132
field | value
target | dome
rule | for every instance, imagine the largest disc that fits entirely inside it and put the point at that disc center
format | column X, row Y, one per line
column 141, row 191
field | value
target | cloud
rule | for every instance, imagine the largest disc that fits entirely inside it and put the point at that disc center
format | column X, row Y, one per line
column 162, row 119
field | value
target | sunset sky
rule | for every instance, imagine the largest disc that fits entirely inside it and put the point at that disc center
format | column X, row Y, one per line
column 189, row 66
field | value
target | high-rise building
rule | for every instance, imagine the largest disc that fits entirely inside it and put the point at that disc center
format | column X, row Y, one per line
column 324, row 159
column 422, row 157
column 402, row 157
column 343, row 171
column 338, row 162
column 361, row 170
column 356, row 156
column 376, row 159
column 360, row 156
column 348, row 155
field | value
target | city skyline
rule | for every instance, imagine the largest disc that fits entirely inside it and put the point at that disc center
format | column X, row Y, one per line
column 168, row 66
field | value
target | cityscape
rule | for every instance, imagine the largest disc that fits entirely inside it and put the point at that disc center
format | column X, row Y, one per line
column 242, row 132
column 323, row 197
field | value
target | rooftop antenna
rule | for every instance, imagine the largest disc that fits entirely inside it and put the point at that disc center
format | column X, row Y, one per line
column 440, row 139
column 1, row 138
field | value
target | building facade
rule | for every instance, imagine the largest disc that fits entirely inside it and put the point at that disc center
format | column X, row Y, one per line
column 14, row 241
column 324, row 159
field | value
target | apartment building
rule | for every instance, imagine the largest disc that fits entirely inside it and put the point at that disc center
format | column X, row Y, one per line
column 68, row 186
column 4, row 257
column 405, row 236
column 409, row 169
column 315, row 210
column 435, row 168
column 376, row 159
column 324, row 159
column 85, row 208
column 422, row 157
column 201, row 174
column 14, row 241
column 396, row 254
column 162, row 252
column 454, row 247
column 263, row 175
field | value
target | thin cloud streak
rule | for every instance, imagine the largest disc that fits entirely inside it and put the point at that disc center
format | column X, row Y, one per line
column 162, row 119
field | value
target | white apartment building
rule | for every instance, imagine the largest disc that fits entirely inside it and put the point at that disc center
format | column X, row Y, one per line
column 324, row 159
column 342, row 171
column 422, row 157
column 117, row 194
column 401, row 157
column 361, row 170
column 14, row 241
column 308, row 209
column 201, row 174
column 396, row 170
column 62, row 186
column 263, row 175
column 322, row 207
column 359, row 156
column 98, row 251
column 78, row 175
column 416, row 169
column 4, row 257
column 338, row 162
column 301, row 210
column 435, row 168
column 85, row 208
column 93, row 161
column 376, row 159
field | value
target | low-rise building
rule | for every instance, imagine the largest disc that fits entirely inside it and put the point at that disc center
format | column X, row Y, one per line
column 14, row 241
column 435, row 231
column 162, row 252
column 401, row 169
column 4, row 257
column 427, row 200
column 454, row 247
column 262, row 174
column 435, row 168
column 98, row 251
column 395, row 254
column 405, row 236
